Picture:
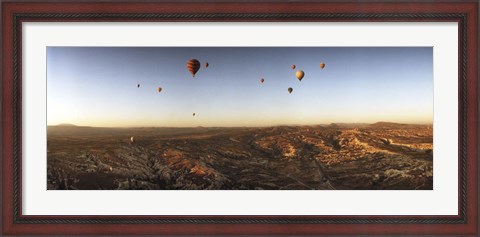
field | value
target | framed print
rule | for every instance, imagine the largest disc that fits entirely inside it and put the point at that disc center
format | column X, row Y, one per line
column 240, row 118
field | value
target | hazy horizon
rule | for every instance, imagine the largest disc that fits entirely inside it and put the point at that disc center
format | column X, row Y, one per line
column 266, row 126
column 97, row 86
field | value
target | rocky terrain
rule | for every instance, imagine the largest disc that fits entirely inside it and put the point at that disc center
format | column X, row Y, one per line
column 336, row 156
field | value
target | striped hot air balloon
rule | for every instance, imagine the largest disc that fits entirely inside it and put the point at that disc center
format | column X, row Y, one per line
column 193, row 66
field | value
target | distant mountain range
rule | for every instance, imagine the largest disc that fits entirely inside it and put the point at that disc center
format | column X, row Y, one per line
column 344, row 125
column 66, row 125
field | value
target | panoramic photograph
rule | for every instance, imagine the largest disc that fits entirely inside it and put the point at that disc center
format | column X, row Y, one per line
column 239, row 118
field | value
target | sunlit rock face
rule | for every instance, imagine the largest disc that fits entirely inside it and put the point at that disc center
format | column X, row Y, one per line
column 337, row 156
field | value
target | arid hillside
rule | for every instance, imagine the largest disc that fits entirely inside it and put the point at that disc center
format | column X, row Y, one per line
column 336, row 156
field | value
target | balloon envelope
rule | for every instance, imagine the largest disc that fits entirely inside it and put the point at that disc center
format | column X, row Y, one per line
column 262, row 80
column 322, row 65
column 290, row 90
column 206, row 65
column 193, row 66
column 159, row 89
column 300, row 75
column 293, row 66
column 138, row 85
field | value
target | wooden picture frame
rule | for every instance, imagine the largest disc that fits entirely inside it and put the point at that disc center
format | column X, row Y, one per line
column 465, row 13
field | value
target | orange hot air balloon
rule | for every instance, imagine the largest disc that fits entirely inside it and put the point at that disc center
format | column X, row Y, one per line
column 193, row 66
column 322, row 65
column 159, row 89
column 206, row 64
column 300, row 74
column 262, row 80
column 293, row 66
column 290, row 90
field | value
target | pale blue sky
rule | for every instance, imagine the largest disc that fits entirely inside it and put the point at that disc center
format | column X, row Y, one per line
column 96, row 86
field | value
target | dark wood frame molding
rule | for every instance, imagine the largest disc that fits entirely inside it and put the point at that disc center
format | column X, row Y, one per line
column 14, row 13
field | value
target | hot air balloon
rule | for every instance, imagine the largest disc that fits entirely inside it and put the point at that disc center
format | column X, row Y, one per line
column 290, row 90
column 138, row 85
column 206, row 64
column 262, row 80
column 300, row 75
column 193, row 114
column 193, row 65
column 159, row 89
column 322, row 65
column 293, row 66
column 132, row 140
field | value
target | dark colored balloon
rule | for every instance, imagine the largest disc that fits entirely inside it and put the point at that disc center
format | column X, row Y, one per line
column 290, row 90
column 193, row 114
column 206, row 65
column 293, row 66
column 138, row 85
column 193, row 66
column 159, row 89
column 262, row 80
